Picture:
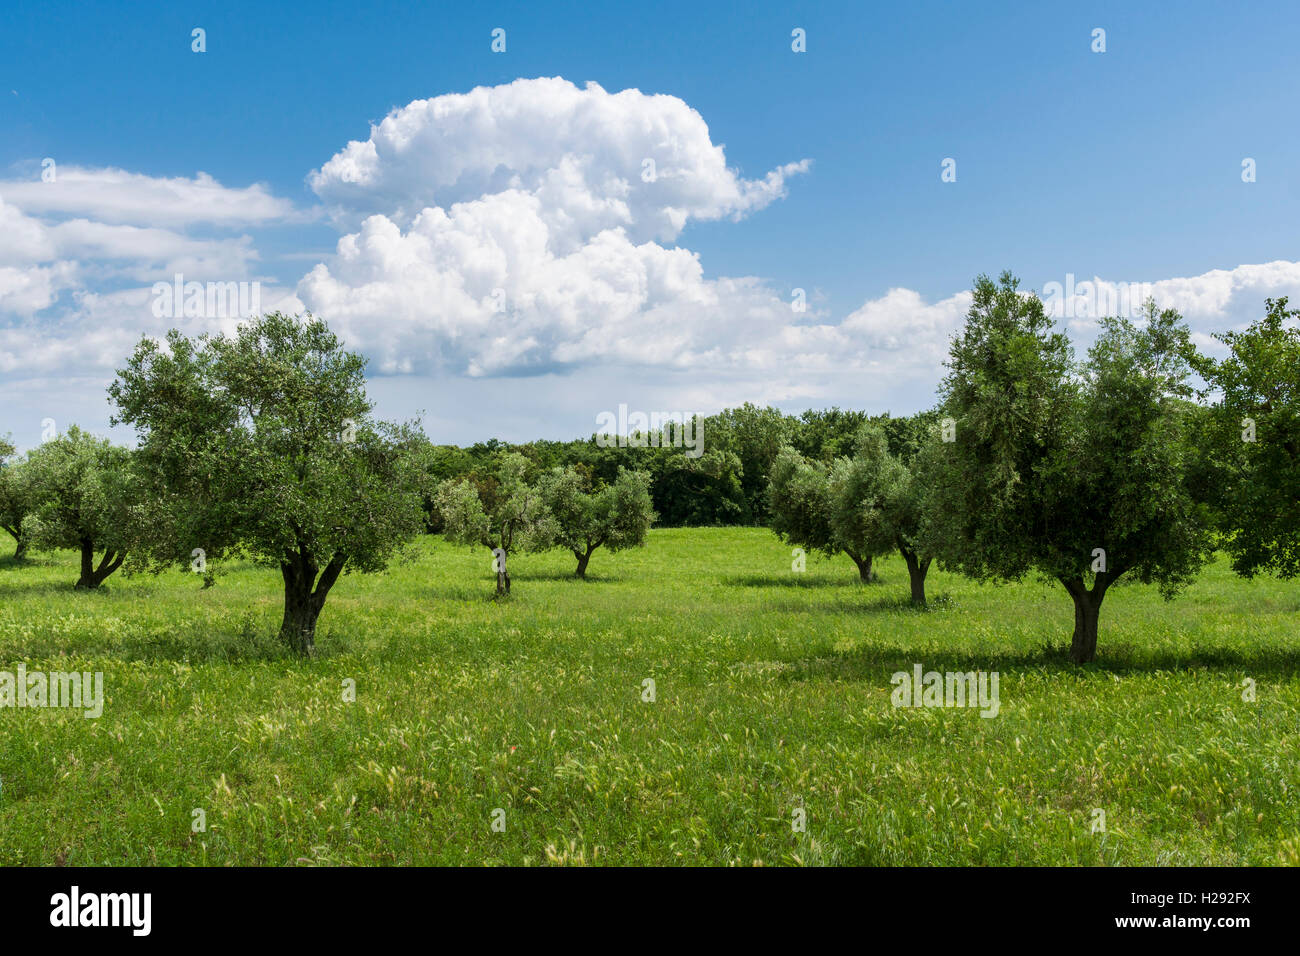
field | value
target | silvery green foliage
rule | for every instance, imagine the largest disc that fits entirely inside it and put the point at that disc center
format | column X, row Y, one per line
column 506, row 511
column 615, row 516
column 244, row 442
column 1252, row 438
column 799, row 502
column 84, row 494
column 16, row 504
column 1054, row 458
column 861, row 504
column 862, row 489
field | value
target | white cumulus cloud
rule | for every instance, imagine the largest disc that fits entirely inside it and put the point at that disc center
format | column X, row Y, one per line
column 594, row 160
column 520, row 228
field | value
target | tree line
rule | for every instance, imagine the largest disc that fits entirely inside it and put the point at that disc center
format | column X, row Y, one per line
column 262, row 445
column 1135, row 461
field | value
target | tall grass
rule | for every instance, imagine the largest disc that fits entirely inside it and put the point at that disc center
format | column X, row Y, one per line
column 772, row 694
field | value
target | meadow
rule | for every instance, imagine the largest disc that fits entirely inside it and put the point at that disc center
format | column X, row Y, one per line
column 772, row 695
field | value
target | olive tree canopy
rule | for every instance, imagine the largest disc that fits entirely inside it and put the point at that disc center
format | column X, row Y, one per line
column 262, row 443
column 1074, row 470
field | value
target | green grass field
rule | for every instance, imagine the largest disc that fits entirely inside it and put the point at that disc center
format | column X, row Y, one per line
column 773, row 693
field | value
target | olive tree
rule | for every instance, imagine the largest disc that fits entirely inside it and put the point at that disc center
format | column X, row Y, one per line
column 1253, row 434
column 84, row 495
column 900, row 492
column 876, row 504
column 15, row 498
column 802, row 510
column 1074, row 470
column 262, row 443
column 859, row 488
column 504, row 513
column 616, row 516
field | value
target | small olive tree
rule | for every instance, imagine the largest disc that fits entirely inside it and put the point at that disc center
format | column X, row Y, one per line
column 802, row 510
column 84, row 495
column 877, row 503
column 616, row 516
column 504, row 513
column 859, row 490
column 905, row 506
column 15, row 498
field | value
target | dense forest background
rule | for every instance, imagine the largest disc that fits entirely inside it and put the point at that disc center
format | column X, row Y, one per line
column 725, row 485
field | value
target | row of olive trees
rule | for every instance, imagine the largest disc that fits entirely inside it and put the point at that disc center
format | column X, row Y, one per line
column 265, row 444
column 262, row 445
column 509, row 514
column 1082, row 472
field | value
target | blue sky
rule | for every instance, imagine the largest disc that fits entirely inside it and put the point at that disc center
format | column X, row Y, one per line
column 1124, row 165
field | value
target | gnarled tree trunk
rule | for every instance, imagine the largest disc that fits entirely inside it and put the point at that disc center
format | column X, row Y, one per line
column 864, row 566
column 92, row 576
column 916, row 571
column 1087, row 614
column 87, row 564
column 20, row 540
column 583, row 558
column 304, row 596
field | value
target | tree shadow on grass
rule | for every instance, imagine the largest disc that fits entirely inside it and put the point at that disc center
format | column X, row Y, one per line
column 867, row 601
column 878, row 662
column 8, row 563
column 593, row 577
column 47, row 588
column 245, row 639
column 67, row 587
column 221, row 646
column 794, row 580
